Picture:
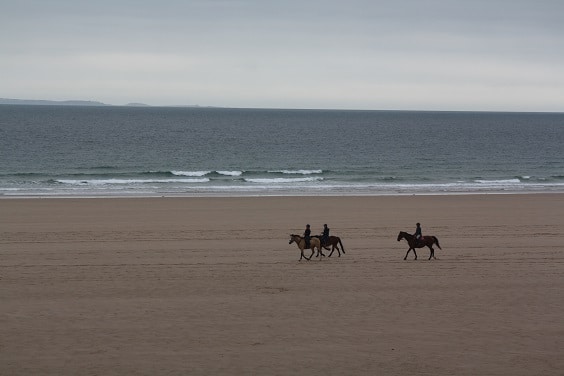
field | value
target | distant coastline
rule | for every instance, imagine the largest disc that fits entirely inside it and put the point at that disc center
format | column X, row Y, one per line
column 50, row 103
column 43, row 102
column 86, row 103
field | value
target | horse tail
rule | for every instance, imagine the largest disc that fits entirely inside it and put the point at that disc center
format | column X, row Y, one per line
column 341, row 244
column 436, row 242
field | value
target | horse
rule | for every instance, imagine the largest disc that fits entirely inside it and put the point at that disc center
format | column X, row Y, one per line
column 313, row 243
column 334, row 242
column 425, row 241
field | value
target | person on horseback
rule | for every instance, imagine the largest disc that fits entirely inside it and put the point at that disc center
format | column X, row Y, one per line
column 418, row 235
column 307, row 236
column 325, row 235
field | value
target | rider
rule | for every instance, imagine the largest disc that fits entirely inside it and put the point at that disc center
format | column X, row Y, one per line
column 325, row 235
column 418, row 234
column 307, row 235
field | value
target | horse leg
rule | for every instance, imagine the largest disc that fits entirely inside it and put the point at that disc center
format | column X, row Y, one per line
column 304, row 256
column 411, row 246
column 332, row 250
column 320, row 250
column 432, row 253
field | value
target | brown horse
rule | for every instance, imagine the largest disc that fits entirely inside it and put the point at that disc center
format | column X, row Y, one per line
column 313, row 243
column 334, row 242
column 425, row 241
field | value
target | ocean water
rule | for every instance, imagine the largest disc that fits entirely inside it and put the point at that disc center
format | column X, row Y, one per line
column 150, row 151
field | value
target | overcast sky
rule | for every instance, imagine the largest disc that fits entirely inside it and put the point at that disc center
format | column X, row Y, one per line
column 401, row 54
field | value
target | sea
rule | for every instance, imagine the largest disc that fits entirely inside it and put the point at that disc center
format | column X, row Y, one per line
column 101, row 151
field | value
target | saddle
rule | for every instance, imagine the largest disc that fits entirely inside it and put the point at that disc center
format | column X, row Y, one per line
column 323, row 243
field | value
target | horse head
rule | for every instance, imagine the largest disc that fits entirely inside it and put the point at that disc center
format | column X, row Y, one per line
column 402, row 235
column 293, row 238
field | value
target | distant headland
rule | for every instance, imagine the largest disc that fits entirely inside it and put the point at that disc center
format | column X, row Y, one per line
column 50, row 103
column 43, row 102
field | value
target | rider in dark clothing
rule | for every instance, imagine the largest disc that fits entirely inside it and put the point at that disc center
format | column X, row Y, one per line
column 307, row 235
column 418, row 234
column 325, row 235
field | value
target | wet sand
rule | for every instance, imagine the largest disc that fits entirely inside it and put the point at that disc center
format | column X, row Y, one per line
column 210, row 286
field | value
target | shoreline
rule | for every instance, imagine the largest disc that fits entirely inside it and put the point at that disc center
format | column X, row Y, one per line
column 301, row 194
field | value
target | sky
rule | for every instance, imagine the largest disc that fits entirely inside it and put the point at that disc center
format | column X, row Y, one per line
column 452, row 55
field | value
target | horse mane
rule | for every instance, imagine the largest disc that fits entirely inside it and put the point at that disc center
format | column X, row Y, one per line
column 406, row 234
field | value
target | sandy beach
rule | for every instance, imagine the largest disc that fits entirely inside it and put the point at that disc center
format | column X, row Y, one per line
column 210, row 286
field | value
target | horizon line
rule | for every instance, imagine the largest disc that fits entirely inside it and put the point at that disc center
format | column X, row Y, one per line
column 96, row 103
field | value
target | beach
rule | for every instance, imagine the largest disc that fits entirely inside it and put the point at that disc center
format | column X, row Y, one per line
column 210, row 286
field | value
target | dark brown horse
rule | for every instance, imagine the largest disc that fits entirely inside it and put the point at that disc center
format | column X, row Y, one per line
column 333, row 242
column 425, row 241
column 313, row 243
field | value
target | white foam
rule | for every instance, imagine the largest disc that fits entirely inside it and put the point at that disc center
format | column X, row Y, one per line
column 230, row 173
column 190, row 173
column 282, row 180
column 300, row 172
column 497, row 182
column 128, row 181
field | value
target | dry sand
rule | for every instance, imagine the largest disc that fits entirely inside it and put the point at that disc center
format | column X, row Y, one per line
column 190, row 286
